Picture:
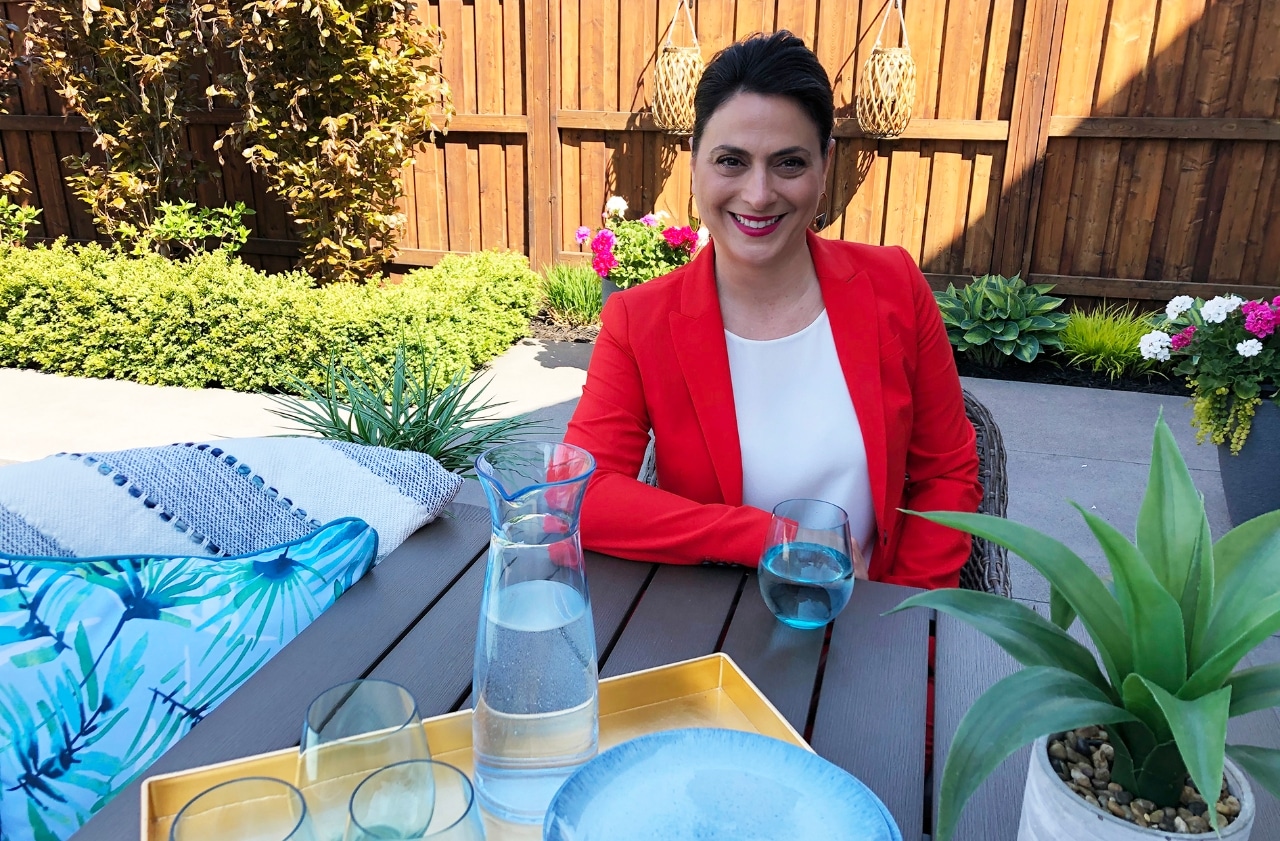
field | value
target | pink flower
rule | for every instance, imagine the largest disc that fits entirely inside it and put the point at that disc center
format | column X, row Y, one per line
column 649, row 220
column 603, row 262
column 1275, row 302
column 682, row 237
column 1180, row 340
column 582, row 234
column 1259, row 319
column 603, row 242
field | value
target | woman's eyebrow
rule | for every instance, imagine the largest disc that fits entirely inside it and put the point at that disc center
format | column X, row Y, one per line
column 743, row 153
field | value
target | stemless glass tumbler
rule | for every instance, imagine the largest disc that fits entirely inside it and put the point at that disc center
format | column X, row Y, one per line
column 806, row 571
column 351, row 731
column 391, row 804
column 259, row 808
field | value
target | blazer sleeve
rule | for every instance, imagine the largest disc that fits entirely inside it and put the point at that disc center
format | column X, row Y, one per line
column 621, row 515
column 942, row 458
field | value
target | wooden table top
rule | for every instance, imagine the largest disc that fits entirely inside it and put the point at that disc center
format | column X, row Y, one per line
column 862, row 705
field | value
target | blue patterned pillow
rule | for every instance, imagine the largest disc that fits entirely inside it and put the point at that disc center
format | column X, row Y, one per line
column 106, row 662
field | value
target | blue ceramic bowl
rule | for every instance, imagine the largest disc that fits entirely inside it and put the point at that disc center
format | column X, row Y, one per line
column 714, row 785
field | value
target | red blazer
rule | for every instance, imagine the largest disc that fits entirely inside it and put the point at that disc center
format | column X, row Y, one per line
column 661, row 362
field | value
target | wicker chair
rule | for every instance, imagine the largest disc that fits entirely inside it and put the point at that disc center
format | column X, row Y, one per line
column 988, row 566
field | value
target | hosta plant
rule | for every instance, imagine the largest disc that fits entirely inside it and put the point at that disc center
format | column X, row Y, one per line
column 996, row 317
column 1179, row 615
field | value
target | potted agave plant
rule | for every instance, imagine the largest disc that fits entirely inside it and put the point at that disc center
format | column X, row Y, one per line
column 1148, row 715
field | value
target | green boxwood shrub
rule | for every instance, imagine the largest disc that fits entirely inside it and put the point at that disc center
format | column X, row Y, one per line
column 212, row 320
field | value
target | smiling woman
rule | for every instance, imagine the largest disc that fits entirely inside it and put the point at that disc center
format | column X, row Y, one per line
column 776, row 364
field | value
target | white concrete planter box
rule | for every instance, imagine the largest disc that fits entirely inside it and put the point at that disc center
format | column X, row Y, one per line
column 1053, row 812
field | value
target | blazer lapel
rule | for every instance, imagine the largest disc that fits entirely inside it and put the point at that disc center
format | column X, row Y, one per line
column 697, row 332
column 851, row 307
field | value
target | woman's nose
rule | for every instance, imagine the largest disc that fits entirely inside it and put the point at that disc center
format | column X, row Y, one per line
column 758, row 190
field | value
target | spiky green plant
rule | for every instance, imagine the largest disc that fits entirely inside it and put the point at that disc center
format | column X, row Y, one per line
column 1106, row 341
column 1183, row 612
column 573, row 294
column 410, row 408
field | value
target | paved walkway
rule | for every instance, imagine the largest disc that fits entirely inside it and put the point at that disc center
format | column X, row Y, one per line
column 1088, row 445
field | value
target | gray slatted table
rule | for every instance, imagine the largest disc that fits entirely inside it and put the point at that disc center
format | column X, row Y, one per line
column 857, row 690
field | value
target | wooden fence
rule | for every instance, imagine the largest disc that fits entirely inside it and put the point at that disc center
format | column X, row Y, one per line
column 1121, row 148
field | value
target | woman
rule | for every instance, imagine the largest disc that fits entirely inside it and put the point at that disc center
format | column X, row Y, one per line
column 776, row 364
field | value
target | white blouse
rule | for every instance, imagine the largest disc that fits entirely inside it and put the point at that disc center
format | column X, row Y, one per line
column 797, row 427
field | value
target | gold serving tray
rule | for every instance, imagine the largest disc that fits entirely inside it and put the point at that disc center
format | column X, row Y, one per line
column 704, row 692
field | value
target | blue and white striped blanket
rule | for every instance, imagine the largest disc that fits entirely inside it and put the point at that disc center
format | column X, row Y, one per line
column 218, row 499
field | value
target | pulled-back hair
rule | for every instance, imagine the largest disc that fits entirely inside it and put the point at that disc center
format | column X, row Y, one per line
column 769, row 65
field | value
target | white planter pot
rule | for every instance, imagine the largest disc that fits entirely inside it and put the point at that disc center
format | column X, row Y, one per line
column 1053, row 812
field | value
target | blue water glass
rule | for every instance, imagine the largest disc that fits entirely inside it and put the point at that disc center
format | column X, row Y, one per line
column 806, row 569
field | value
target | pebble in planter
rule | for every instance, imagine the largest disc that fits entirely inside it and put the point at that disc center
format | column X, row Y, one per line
column 1179, row 616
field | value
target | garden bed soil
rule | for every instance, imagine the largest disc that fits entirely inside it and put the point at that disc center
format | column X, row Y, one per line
column 1047, row 370
column 543, row 326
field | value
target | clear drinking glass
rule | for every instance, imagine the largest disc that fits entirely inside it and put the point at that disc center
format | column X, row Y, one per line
column 351, row 731
column 389, row 805
column 250, row 808
column 806, row 570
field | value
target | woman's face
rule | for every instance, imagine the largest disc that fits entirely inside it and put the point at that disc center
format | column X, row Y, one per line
column 757, row 177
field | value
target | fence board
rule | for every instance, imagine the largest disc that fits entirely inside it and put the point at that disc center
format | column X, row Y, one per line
column 1244, row 172
column 1268, row 191
column 492, row 184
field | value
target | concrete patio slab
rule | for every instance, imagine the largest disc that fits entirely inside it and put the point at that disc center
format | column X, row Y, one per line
column 1088, row 445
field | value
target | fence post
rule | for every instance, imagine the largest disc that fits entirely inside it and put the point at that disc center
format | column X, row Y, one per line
column 542, row 46
column 1028, row 136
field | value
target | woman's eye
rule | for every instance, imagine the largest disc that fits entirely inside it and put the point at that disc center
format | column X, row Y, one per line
column 791, row 164
column 728, row 160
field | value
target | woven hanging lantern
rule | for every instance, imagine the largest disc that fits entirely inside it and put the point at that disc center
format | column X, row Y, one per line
column 675, row 79
column 888, row 86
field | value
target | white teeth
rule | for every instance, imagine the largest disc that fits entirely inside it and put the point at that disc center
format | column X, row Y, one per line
column 750, row 223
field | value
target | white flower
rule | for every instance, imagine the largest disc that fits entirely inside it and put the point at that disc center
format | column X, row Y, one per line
column 1216, row 310
column 1155, row 345
column 704, row 236
column 615, row 206
column 1178, row 306
column 1249, row 347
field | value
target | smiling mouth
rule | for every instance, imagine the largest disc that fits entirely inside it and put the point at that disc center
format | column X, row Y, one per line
column 756, row 222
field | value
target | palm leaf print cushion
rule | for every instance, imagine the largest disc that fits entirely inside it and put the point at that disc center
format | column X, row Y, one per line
column 138, row 589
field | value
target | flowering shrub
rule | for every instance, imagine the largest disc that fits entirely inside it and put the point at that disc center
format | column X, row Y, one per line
column 1228, row 350
column 630, row 251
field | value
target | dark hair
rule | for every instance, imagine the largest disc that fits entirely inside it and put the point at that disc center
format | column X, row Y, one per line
column 770, row 65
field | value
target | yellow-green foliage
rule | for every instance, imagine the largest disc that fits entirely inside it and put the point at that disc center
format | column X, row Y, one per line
column 1106, row 341
column 214, row 321
column 336, row 96
column 133, row 69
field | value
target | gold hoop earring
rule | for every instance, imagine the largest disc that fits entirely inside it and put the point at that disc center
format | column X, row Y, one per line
column 820, row 221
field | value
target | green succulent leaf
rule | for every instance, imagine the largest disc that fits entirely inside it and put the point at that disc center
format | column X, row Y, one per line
column 1015, row 711
column 1153, row 617
column 1139, row 700
column 1245, row 607
column 1080, row 586
column 1262, row 764
column 1061, row 613
column 1169, row 521
column 1253, row 689
column 1200, row 728
column 1028, row 637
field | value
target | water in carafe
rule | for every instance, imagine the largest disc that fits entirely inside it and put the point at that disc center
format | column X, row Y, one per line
column 537, row 713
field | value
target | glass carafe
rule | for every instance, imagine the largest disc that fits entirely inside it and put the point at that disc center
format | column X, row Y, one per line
column 536, row 706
